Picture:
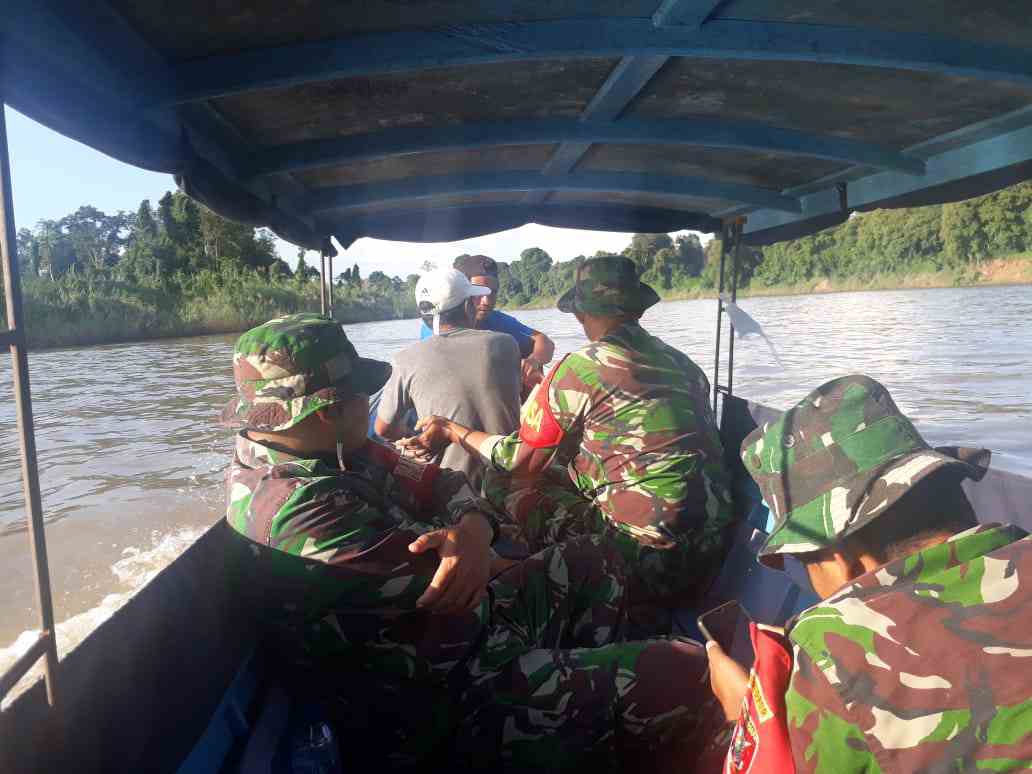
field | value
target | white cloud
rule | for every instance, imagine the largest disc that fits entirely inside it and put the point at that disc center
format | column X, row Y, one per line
column 404, row 258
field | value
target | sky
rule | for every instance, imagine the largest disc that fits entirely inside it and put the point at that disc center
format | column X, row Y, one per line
column 53, row 176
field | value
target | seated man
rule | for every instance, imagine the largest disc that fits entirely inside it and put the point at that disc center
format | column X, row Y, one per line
column 370, row 564
column 536, row 348
column 464, row 374
column 914, row 660
column 632, row 417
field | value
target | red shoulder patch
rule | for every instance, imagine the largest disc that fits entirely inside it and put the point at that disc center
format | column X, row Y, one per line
column 539, row 429
column 760, row 743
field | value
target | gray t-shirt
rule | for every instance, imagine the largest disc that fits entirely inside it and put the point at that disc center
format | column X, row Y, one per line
column 469, row 376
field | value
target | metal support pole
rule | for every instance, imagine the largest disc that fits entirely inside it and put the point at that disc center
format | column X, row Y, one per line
column 322, row 283
column 736, row 244
column 23, row 403
column 329, row 286
column 720, row 315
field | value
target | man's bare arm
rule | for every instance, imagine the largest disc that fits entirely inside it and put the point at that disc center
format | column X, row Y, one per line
column 438, row 432
column 388, row 430
column 544, row 348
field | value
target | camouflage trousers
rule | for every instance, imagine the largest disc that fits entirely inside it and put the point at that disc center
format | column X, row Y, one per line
column 554, row 685
column 662, row 569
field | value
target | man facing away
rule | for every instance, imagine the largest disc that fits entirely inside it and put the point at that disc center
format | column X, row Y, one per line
column 468, row 375
column 375, row 565
column 536, row 348
column 631, row 417
column 916, row 659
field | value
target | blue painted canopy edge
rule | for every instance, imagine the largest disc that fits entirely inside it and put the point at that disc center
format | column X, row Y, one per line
column 89, row 72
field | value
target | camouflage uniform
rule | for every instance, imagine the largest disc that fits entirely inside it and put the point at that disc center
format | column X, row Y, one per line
column 535, row 676
column 917, row 666
column 632, row 416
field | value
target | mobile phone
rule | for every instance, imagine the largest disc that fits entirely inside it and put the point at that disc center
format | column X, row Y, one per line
column 728, row 626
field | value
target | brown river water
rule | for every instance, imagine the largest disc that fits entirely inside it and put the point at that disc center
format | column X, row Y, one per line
column 131, row 459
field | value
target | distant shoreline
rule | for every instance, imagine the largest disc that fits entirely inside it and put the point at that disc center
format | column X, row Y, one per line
column 992, row 273
column 997, row 272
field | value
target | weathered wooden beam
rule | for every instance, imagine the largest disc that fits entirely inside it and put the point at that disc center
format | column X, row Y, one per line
column 414, row 189
column 691, row 13
column 463, row 45
column 710, row 133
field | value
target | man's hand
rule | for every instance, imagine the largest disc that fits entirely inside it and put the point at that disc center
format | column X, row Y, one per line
column 434, row 434
column 727, row 679
column 532, row 369
column 461, row 578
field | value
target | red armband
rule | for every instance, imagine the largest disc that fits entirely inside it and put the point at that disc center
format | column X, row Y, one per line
column 539, row 429
column 760, row 741
column 415, row 478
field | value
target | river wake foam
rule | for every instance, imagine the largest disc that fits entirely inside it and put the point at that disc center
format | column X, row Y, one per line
column 132, row 572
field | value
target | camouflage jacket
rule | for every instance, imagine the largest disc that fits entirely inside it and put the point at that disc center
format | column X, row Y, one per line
column 330, row 557
column 634, row 416
column 921, row 665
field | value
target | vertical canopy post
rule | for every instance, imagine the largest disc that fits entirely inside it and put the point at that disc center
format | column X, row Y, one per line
column 322, row 283
column 724, row 232
column 14, row 338
column 329, row 285
column 730, row 241
column 736, row 246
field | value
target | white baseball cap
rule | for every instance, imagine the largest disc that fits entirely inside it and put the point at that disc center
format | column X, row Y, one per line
column 444, row 290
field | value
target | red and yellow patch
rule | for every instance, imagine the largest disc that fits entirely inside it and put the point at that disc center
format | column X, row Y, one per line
column 539, row 428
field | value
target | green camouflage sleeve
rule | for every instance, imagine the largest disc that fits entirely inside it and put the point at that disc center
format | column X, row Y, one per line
column 322, row 521
column 824, row 738
column 454, row 495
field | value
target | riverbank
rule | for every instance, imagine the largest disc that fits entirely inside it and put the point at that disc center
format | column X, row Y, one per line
column 91, row 310
column 98, row 311
column 1012, row 270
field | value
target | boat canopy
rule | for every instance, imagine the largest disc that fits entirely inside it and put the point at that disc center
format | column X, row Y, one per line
column 445, row 119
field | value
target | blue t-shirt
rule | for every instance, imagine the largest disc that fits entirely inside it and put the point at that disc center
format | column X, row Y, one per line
column 500, row 322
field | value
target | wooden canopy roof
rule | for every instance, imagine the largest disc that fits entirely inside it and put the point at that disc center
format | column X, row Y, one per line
column 431, row 120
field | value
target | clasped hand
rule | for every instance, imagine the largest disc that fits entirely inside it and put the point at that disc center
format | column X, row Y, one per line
column 434, row 434
column 460, row 582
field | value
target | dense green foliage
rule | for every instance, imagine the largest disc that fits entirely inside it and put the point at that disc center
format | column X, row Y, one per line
column 890, row 245
column 951, row 237
column 665, row 262
column 179, row 269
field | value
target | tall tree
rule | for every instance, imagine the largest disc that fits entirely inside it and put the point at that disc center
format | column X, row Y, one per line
column 144, row 226
column 96, row 238
column 28, row 253
column 690, row 256
column 643, row 248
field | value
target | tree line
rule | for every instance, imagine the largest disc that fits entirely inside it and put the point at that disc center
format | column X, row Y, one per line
column 175, row 269
column 954, row 237
column 179, row 268
column 948, row 237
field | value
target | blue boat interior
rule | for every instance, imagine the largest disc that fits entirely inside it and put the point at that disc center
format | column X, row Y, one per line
column 437, row 121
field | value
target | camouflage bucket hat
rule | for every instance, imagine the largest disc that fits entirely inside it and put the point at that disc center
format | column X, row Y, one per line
column 290, row 367
column 608, row 285
column 837, row 460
